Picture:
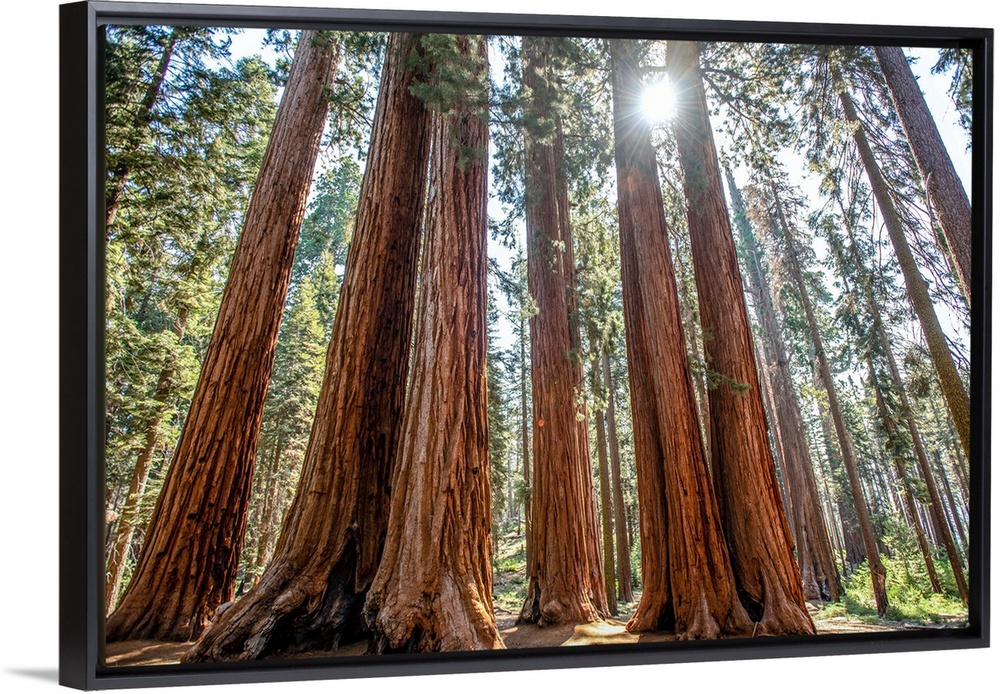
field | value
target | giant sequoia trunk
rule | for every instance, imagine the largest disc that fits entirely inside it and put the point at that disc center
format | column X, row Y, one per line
column 949, row 199
column 433, row 589
column 955, row 393
column 688, row 583
column 623, row 559
column 566, row 582
column 820, row 577
column 843, row 436
column 750, row 504
column 313, row 591
column 188, row 564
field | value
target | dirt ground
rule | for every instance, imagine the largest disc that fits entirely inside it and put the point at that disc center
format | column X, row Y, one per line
column 514, row 636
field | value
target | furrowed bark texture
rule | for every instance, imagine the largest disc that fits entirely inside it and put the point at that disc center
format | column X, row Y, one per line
column 750, row 504
column 433, row 589
column 820, row 577
column 843, row 437
column 955, row 392
column 188, row 564
column 566, row 582
column 313, row 591
column 948, row 196
column 688, row 583
column 623, row 565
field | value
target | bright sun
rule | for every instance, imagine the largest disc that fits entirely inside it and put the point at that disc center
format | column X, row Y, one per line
column 658, row 102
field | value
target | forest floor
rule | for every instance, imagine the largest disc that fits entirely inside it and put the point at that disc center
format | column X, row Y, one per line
column 509, row 586
column 611, row 631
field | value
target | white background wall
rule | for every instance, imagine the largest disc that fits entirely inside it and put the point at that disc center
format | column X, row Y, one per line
column 29, row 380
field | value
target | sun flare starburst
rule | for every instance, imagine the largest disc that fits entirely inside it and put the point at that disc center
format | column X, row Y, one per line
column 659, row 103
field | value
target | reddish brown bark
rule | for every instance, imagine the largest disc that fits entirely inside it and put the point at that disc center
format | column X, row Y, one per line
column 191, row 552
column 688, row 583
column 948, row 197
column 433, row 588
column 566, row 582
column 313, row 591
column 753, row 516
column 623, row 564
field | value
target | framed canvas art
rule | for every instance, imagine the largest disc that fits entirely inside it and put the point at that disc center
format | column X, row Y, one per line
column 411, row 342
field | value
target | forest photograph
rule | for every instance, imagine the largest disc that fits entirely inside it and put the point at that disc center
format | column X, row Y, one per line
column 437, row 342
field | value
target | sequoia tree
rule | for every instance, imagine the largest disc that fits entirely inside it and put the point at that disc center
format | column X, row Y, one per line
column 313, row 591
column 750, row 503
column 189, row 559
column 433, row 589
column 566, row 581
column 688, row 583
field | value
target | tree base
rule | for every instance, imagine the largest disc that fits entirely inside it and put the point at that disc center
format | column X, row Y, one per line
column 555, row 611
column 288, row 612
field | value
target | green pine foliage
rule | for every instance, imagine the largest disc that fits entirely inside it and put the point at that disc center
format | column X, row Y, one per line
column 185, row 159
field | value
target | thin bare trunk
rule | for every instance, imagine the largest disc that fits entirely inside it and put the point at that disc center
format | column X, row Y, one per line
column 624, row 564
column 948, row 196
column 956, row 516
column 843, row 437
column 607, row 540
column 955, row 392
column 268, row 512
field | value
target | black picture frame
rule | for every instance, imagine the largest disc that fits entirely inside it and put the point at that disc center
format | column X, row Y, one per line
column 81, row 343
